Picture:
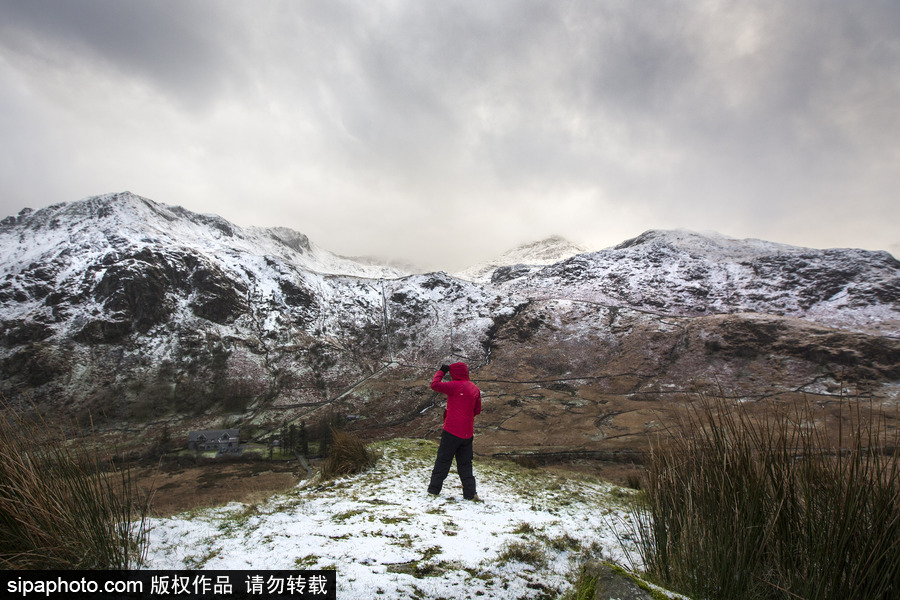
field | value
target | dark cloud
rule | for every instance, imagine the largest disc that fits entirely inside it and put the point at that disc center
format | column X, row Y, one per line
column 179, row 46
column 374, row 127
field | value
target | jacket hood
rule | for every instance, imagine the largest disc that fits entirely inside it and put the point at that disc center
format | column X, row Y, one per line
column 459, row 371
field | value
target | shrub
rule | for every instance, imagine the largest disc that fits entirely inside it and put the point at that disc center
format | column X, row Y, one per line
column 348, row 455
column 64, row 507
column 744, row 508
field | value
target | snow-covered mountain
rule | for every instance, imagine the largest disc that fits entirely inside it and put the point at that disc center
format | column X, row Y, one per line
column 141, row 311
column 689, row 274
column 195, row 307
column 544, row 252
column 100, row 226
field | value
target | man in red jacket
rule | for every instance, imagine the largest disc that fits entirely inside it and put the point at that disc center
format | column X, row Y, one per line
column 463, row 403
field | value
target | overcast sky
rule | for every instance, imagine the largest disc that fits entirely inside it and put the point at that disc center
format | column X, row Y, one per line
column 445, row 132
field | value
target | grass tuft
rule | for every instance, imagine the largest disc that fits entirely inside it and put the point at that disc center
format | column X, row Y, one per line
column 584, row 588
column 788, row 506
column 528, row 553
column 64, row 506
column 347, row 456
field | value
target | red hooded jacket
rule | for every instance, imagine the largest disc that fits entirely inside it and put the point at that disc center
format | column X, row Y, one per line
column 463, row 400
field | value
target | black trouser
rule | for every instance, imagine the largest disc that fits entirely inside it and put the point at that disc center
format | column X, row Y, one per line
column 452, row 446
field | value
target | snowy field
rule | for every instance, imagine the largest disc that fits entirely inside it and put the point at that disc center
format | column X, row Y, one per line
column 386, row 537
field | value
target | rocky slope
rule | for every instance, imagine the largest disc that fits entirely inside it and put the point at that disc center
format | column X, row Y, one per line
column 145, row 313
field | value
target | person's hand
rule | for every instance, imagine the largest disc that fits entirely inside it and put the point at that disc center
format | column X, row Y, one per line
column 445, row 369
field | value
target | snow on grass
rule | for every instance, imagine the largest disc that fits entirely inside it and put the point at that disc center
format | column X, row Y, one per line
column 525, row 538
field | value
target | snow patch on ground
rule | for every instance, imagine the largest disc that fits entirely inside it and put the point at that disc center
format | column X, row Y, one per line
column 386, row 537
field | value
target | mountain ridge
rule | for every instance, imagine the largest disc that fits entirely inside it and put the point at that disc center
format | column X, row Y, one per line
column 127, row 213
column 689, row 274
column 160, row 313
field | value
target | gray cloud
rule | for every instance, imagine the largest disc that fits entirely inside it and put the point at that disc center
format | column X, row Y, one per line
column 376, row 128
column 180, row 47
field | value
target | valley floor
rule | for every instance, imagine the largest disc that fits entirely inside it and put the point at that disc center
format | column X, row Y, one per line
column 386, row 537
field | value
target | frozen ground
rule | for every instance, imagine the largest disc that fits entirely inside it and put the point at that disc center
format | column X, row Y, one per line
column 387, row 538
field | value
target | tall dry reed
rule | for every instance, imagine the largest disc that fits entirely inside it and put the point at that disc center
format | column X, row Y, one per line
column 785, row 506
column 64, row 506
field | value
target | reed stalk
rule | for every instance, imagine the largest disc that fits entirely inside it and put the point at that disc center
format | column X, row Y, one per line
column 64, row 506
column 782, row 506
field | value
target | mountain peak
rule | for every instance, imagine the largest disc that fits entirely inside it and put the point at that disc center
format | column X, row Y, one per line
column 553, row 248
column 542, row 252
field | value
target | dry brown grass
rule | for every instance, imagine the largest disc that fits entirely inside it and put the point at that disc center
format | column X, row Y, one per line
column 348, row 455
column 214, row 483
column 787, row 507
column 64, row 506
